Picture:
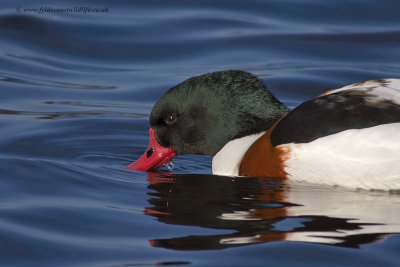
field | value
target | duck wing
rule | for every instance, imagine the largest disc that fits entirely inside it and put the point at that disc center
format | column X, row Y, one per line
column 355, row 106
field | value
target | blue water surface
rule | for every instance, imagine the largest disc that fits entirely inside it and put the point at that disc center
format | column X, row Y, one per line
column 76, row 89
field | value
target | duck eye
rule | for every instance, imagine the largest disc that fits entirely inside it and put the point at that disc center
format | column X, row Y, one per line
column 170, row 119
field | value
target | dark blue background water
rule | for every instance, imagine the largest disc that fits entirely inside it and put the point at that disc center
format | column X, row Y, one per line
column 75, row 93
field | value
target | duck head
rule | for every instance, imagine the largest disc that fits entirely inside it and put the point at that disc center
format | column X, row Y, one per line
column 203, row 113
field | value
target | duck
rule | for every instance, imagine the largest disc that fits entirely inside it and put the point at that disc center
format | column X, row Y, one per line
column 349, row 136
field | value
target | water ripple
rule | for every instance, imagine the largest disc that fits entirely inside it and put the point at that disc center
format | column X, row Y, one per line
column 20, row 79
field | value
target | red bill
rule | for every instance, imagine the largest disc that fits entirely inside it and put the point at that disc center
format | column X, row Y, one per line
column 155, row 156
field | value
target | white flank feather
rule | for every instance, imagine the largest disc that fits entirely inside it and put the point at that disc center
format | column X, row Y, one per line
column 366, row 158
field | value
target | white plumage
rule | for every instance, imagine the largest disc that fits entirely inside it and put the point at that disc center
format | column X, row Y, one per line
column 227, row 160
column 366, row 158
column 384, row 89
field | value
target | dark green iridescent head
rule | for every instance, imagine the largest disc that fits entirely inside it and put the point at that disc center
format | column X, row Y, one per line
column 203, row 113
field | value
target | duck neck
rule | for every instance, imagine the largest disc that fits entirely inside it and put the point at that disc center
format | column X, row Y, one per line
column 227, row 160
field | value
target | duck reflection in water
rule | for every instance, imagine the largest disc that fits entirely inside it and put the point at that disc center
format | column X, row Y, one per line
column 254, row 210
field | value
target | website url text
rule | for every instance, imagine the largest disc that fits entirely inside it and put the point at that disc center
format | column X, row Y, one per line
column 83, row 10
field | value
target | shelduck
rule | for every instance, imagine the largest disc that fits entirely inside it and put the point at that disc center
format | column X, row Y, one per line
column 348, row 136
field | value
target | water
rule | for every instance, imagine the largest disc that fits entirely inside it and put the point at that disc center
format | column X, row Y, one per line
column 75, row 93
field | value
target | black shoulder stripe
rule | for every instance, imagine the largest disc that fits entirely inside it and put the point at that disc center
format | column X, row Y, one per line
column 330, row 114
